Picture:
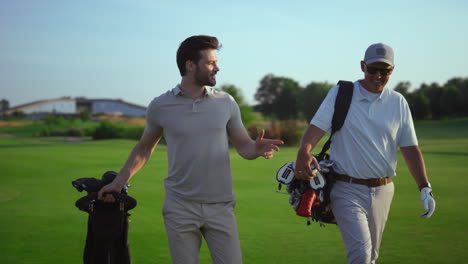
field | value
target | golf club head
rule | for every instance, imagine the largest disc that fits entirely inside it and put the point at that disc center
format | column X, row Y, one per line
column 285, row 174
column 318, row 182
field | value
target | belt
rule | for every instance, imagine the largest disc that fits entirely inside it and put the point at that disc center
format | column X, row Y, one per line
column 368, row 182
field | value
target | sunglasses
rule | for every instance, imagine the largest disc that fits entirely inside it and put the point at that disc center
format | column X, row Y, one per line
column 383, row 72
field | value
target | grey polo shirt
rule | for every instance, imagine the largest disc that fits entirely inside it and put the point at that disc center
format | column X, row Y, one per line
column 376, row 125
column 196, row 133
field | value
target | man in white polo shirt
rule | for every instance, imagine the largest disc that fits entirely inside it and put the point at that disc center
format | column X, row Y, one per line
column 197, row 123
column 364, row 152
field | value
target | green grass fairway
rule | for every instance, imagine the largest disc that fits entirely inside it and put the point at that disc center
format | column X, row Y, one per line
column 40, row 223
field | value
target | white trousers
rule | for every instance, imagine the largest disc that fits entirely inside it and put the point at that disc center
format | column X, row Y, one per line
column 361, row 213
column 187, row 222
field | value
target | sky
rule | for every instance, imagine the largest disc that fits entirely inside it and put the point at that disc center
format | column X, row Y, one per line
column 126, row 49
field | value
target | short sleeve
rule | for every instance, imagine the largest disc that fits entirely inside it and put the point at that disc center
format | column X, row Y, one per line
column 323, row 117
column 152, row 124
column 235, row 121
column 408, row 133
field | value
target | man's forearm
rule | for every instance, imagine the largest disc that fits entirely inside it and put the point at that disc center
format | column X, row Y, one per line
column 415, row 162
column 247, row 151
column 310, row 139
column 136, row 160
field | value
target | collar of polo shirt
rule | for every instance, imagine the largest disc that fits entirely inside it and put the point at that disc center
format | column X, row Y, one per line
column 207, row 92
column 360, row 96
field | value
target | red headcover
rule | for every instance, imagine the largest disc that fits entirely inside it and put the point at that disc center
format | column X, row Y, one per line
column 305, row 206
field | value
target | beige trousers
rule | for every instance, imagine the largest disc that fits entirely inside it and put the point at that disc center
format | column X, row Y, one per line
column 187, row 222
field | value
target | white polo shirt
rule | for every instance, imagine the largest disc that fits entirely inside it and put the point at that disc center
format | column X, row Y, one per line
column 196, row 133
column 376, row 125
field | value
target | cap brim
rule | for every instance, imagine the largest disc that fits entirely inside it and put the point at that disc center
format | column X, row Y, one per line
column 380, row 60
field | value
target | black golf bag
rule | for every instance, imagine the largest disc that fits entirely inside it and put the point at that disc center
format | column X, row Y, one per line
column 106, row 240
column 312, row 198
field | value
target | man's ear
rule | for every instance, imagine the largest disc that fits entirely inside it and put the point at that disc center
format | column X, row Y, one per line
column 363, row 66
column 189, row 66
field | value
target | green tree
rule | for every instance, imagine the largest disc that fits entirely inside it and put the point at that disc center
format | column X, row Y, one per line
column 451, row 101
column 277, row 97
column 419, row 105
column 18, row 114
column 417, row 101
column 85, row 115
column 311, row 97
column 462, row 86
column 246, row 110
column 433, row 92
column 403, row 88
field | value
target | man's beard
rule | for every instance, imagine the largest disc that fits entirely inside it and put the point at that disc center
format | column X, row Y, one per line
column 203, row 79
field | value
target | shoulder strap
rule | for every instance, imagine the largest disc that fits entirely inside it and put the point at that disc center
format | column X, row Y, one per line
column 342, row 103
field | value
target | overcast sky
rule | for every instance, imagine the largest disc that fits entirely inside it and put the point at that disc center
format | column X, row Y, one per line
column 125, row 49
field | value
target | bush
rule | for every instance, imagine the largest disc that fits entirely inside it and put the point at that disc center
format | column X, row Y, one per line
column 60, row 132
column 107, row 130
column 54, row 120
column 18, row 115
column 133, row 133
column 288, row 131
column 74, row 132
column 85, row 115
column 45, row 132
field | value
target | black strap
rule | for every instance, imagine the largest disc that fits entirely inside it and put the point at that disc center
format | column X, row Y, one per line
column 342, row 103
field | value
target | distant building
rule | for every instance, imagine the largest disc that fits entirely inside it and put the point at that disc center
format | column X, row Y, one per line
column 73, row 106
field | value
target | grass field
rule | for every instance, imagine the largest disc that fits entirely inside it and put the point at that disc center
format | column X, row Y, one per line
column 40, row 223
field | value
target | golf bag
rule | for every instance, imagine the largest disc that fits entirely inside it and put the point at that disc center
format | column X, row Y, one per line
column 107, row 236
column 311, row 199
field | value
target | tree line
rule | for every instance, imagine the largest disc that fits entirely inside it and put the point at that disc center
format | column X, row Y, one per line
column 282, row 98
column 435, row 101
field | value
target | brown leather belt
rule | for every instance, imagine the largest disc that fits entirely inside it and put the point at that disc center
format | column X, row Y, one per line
column 368, row 182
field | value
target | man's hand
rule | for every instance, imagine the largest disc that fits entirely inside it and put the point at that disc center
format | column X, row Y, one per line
column 105, row 194
column 303, row 169
column 266, row 147
column 428, row 202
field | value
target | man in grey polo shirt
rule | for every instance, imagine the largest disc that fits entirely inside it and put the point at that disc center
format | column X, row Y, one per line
column 365, row 155
column 197, row 123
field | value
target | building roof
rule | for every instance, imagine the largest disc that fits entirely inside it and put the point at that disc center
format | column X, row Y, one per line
column 23, row 107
